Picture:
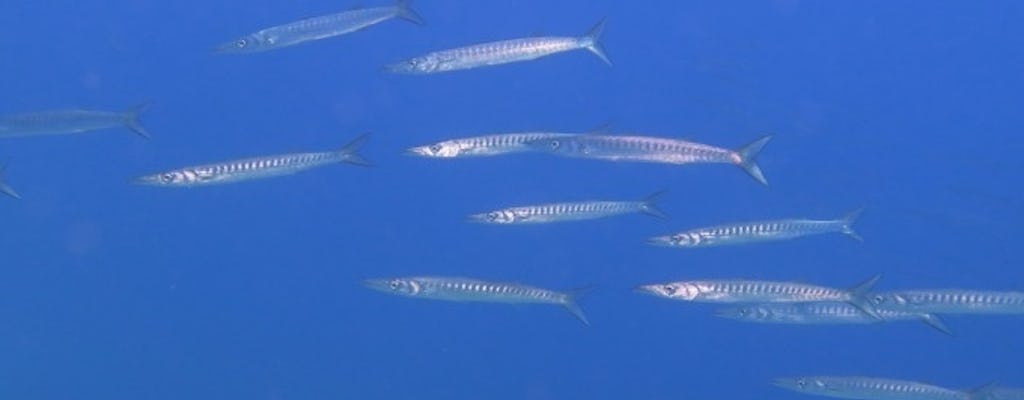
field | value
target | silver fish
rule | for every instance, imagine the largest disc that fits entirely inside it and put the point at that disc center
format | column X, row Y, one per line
column 487, row 145
column 317, row 28
column 255, row 168
column 951, row 301
column 4, row 187
column 748, row 291
column 654, row 150
column 69, row 121
column 864, row 388
column 821, row 313
column 760, row 231
column 473, row 290
column 576, row 211
column 501, row 52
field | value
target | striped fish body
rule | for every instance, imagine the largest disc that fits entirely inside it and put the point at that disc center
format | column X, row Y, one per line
column 488, row 145
column 869, row 388
column 316, row 28
column 812, row 313
column 63, row 122
column 559, row 212
column 747, row 291
column 752, row 232
column 951, row 301
column 637, row 148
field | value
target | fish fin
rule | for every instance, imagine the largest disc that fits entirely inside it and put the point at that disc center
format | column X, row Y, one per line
column 982, row 392
column 748, row 159
column 405, row 11
column 935, row 322
column 571, row 304
column 592, row 41
column 4, row 188
column 132, row 121
column 847, row 224
column 859, row 297
column 350, row 151
column 649, row 205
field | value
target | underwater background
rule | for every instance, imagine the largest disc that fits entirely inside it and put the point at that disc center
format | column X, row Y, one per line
column 116, row 291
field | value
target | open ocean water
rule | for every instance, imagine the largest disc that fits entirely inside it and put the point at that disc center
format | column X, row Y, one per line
column 110, row 290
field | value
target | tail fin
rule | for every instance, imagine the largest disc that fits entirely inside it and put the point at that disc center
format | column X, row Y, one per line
column 350, row 152
column 983, row 392
column 405, row 11
column 859, row 297
column 131, row 120
column 571, row 305
column 935, row 322
column 649, row 205
column 748, row 159
column 592, row 42
column 4, row 188
column 847, row 222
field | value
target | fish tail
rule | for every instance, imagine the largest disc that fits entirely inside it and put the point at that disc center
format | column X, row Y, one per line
column 748, row 159
column 592, row 41
column 649, row 205
column 4, row 188
column 132, row 121
column 859, row 297
column 571, row 304
column 983, row 392
column 404, row 11
column 935, row 322
column 350, row 151
column 846, row 224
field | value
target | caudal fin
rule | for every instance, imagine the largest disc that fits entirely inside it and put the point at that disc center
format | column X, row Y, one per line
column 592, row 42
column 132, row 121
column 4, row 188
column 350, row 152
column 859, row 297
column 847, row 224
column 404, row 11
column 571, row 305
column 649, row 205
column 748, row 159
column 935, row 322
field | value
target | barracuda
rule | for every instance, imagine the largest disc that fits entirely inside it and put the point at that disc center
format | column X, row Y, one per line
column 761, row 231
column 59, row 122
column 576, row 211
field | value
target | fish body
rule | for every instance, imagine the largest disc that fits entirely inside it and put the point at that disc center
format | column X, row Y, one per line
column 865, row 388
column 575, row 211
column 653, row 150
column 500, row 52
column 821, row 313
column 951, row 301
column 4, row 187
column 761, row 231
column 254, row 168
column 487, row 145
column 474, row 290
column 70, row 121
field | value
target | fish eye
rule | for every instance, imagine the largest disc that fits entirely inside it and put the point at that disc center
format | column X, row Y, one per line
column 168, row 177
column 394, row 285
column 801, row 383
column 242, row 43
column 435, row 148
column 669, row 289
column 494, row 215
column 879, row 299
column 555, row 144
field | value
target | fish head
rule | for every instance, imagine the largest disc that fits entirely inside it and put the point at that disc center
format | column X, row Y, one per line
column 245, row 44
column 398, row 286
column 805, row 384
column 674, row 290
column 743, row 313
column 418, row 65
column 676, row 240
column 170, row 178
column 437, row 150
column 494, row 217
column 887, row 300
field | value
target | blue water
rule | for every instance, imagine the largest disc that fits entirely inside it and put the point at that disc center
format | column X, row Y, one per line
column 251, row 291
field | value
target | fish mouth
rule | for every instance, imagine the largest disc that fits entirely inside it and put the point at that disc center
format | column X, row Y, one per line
column 400, row 67
column 420, row 151
column 376, row 284
column 661, row 241
column 148, row 180
column 785, row 383
column 724, row 313
column 481, row 218
column 647, row 289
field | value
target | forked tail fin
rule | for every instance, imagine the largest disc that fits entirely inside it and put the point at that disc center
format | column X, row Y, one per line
column 132, row 121
column 649, row 205
column 859, row 297
column 4, row 188
column 847, row 222
column 748, row 159
column 935, row 322
column 592, row 42
column 350, row 152
column 404, row 11
column 571, row 304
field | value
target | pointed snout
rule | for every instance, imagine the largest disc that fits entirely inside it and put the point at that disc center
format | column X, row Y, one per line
column 419, row 151
column 785, row 383
column 647, row 289
column 376, row 284
column 662, row 241
column 151, row 180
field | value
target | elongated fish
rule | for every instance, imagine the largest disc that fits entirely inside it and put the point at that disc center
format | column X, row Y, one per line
column 951, row 301
column 501, row 52
column 317, row 28
column 864, row 388
column 60, row 122
column 761, row 231
column 748, row 291
column 563, row 212
column 255, row 168
column 4, row 187
column 487, row 145
column 465, row 289
column 654, row 150
column 822, row 313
